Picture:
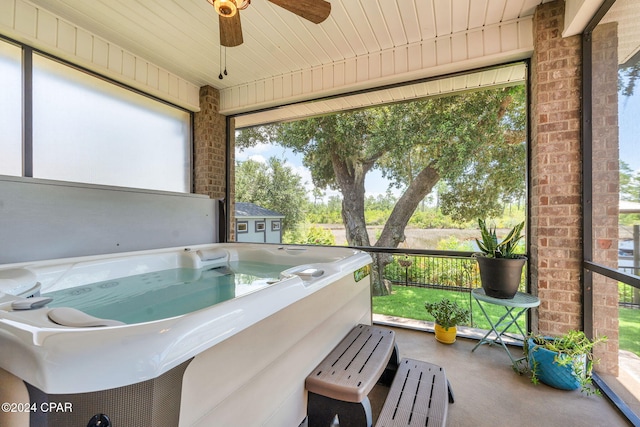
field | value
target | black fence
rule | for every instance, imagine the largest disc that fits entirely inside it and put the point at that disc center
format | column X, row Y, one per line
column 437, row 271
column 628, row 295
column 458, row 271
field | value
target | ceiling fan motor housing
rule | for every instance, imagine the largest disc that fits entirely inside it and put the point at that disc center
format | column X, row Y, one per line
column 315, row 11
column 226, row 8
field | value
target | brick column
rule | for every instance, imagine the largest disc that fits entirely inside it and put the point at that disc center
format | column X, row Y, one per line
column 209, row 152
column 232, row 186
column 606, row 187
column 209, row 157
column 556, row 174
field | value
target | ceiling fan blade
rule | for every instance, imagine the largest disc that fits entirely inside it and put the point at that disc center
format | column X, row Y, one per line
column 230, row 30
column 315, row 11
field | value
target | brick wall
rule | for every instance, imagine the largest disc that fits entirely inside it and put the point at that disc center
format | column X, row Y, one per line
column 556, row 174
column 556, row 183
column 232, row 186
column 209, row 146
column 209, row 151
column 605, row 189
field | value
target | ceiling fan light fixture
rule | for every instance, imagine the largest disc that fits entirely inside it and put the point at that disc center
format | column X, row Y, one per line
column 226, row 8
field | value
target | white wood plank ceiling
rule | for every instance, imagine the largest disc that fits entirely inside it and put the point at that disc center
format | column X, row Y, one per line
column 494, row 77
column 171, row 47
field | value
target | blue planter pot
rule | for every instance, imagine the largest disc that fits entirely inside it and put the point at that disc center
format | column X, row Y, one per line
column 550, row 372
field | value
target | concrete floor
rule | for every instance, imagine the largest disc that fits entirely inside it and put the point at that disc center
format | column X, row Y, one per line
column 489, row 393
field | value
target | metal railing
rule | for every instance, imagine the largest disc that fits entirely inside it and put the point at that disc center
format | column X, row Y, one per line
column 458, row 271
column 440, row 272
column 628, row 294
column 448, row 270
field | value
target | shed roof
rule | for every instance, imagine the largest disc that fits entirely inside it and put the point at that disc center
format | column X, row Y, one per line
column 251, row 210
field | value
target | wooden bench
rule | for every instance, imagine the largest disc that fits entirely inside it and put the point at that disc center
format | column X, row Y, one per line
column 340, row 384
column 419, row 396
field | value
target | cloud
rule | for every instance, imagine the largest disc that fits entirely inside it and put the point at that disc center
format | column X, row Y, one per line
column 256, row 152
column 303, row 172
column 375, row 184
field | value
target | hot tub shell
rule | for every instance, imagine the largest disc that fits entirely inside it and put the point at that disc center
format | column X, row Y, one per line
column 240, row 362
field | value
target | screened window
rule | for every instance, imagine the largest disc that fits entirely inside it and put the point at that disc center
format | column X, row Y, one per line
column 615, row 171
column 10, row 110
column 303, row 169
column 86, row 129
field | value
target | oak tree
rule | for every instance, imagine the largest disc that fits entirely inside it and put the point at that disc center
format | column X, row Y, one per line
column 474, row 142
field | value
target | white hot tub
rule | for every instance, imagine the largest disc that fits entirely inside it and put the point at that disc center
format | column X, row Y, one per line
column 220, row 334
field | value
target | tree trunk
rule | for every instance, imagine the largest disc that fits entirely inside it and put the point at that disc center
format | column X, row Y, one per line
column 350, row 178
column 353, row 217
column 393, row 231
column 379, row 285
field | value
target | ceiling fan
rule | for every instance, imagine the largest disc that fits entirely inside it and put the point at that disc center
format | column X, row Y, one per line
column 315, row 11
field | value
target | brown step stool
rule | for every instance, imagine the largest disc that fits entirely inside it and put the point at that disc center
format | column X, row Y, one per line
column 340, row 384
column 419, row 396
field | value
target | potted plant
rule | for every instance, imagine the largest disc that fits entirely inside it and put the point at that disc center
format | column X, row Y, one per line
column 447, row 314
column 563, row 362
column 500, row 266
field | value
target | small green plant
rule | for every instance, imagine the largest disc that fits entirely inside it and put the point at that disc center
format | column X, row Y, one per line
column 447, row 313
column 490, row 246
column 572, row 348
column 319, row 236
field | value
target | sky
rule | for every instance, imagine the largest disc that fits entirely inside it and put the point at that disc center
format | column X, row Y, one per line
column 629, row 125
column 375, row 184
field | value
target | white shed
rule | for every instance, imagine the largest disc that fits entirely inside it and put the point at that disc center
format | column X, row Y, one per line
column 257, row 224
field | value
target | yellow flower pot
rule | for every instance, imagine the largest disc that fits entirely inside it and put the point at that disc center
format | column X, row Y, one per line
column 446, row 336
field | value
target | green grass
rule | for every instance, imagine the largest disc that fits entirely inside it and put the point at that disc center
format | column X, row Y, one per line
column 408, row 302
column 629, row 329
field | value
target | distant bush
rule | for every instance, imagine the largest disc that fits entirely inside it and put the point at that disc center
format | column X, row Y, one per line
column 433, row 218
column 324, row 217
column 320, row 236
column 376, row 216
column 310, row 235
column 452, row 243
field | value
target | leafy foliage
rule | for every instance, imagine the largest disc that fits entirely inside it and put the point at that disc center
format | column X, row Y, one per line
column 629, row 183
column 273, row 186
column 570, row 349
column 490, row 246
column 447, row 313
column 319, row 236
column 452, row 243
column 329, row 212
column 628, row 75
column 473, row 142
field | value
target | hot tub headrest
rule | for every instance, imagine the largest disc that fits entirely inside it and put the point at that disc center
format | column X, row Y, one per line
column 67, row 316
column 211, row 254
column 19, row 282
